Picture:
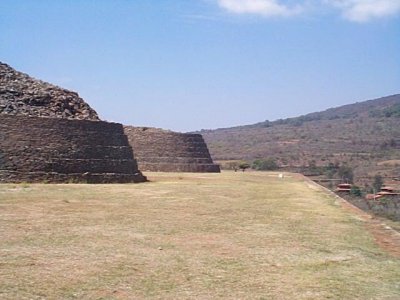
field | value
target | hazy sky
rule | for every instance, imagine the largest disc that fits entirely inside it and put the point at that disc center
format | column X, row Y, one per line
column 191, row 64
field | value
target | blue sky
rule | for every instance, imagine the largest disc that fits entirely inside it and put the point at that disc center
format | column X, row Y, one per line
column 200, row 64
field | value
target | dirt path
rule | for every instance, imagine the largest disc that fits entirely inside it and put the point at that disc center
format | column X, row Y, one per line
column 385, row 236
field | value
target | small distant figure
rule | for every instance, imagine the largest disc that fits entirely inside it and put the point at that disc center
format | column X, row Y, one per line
column 280, row 175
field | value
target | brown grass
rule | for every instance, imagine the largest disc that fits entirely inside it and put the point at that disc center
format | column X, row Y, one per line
column 185, row 236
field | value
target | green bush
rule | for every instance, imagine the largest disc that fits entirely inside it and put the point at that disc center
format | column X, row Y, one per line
column 268, row 164
column 355, row 191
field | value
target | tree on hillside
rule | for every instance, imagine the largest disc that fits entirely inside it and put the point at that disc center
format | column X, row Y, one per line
column 378, row 183
column 313, row 168
column 346, row 173
column 331, row 169
column 355, row 191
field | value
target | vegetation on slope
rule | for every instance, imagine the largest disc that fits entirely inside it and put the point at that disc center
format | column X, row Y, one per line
column 364, row 136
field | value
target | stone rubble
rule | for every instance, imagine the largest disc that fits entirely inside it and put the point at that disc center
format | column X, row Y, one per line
column 21, row 94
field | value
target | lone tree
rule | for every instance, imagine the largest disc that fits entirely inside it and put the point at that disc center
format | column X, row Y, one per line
column 244, row 166
column 346, row 173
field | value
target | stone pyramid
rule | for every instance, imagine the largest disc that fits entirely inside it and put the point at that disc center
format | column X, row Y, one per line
column 49, row 134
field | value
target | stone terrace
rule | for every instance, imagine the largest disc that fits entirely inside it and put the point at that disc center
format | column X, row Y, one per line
column 166, row 151
column 58, row 150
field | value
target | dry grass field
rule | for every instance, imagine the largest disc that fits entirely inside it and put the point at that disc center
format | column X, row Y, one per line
column 188, row 236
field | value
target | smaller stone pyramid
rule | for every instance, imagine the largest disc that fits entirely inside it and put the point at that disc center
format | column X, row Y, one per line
column 167, row 151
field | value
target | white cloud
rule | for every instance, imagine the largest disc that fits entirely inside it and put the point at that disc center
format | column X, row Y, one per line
column 266, row 8
column 352, row 10
column 365, row 10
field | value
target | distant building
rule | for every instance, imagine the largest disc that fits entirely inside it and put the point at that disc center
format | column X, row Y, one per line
column 386, row 191
column 343, row 188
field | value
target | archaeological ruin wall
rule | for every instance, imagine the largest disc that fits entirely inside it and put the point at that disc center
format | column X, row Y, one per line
column 49, row 134
column 58, row 150
column 166, row 151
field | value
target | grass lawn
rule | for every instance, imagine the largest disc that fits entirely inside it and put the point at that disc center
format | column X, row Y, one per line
column 184, row 236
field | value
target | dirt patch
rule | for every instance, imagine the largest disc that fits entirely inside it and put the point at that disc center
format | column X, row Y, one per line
column 385, row 236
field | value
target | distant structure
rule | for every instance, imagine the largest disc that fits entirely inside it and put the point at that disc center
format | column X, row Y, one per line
column 343, row 188
column 167, row 151
column 386, row 191
column 49, row 134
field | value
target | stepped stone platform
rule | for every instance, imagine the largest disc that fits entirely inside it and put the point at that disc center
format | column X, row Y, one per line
column 58, row 150
column 48, row 134
column 160, row 150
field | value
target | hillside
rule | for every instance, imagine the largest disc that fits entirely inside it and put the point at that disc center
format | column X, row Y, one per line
column 364, row 135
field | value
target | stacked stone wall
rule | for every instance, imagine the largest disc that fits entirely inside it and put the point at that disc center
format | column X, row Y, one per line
column 59, row 150
column 166, row 151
